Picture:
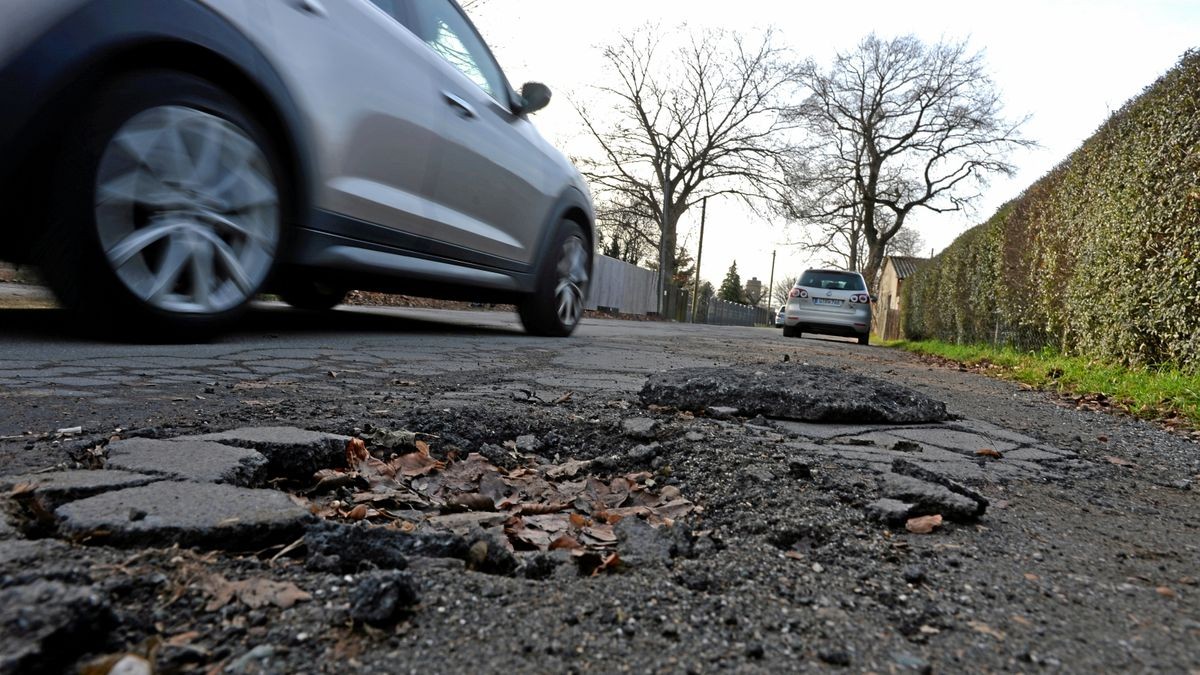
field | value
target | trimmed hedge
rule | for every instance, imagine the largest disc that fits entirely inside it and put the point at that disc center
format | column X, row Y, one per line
column 1099, row 258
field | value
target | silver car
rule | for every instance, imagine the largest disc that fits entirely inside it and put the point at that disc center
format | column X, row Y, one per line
column 829, row 302
column 164, row 162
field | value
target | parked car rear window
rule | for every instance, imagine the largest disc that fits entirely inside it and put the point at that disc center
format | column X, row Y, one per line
column 837, row 281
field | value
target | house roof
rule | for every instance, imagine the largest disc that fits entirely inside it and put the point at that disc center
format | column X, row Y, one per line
column 905, row 266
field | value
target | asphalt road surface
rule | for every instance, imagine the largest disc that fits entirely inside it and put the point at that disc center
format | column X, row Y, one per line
column 1087, row 557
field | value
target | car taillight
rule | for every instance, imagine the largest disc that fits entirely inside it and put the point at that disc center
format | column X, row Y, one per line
column 799, row 293
column 795, row 293
column 860, row 299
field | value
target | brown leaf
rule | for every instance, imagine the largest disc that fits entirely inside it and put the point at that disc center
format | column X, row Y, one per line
column 1118, row 461
column 794, row 555
column 416, row 464
column 566, row 542
column 1031, row 577
column 609, row 562
column 356, row 452
column 540, row 509
column 924, row 524
column 578, row 521
column 254, row 593
column 989, row 452
column 599, row 536
column 984, row 629
column 567, row 470
column 473, row 502
column 357, row 513
column 1165, row 592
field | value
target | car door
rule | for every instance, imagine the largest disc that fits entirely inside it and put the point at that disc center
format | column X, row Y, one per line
column 373, row 111
column 493, row 177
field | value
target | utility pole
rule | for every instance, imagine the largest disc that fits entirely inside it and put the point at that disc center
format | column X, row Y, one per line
column 663, row 253
column 699, row 257
column 771, row 286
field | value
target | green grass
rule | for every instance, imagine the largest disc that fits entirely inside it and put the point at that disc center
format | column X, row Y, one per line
column 1164, row 394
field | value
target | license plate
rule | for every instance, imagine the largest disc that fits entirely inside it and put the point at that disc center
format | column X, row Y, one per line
column 823, row 301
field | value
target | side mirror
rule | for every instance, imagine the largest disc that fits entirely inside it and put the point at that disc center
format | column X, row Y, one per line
column 534, row 97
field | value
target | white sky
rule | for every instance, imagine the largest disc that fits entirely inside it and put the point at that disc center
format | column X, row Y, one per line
column 1068, row 63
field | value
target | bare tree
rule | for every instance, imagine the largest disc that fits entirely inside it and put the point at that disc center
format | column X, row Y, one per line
column 908, row 243
column 679, row 124
column 782, row 290
column 627, row 231
column 472, row 4
column 896, row 126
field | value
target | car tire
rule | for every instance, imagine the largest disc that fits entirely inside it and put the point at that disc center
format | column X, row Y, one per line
column 791, row 331
column 171, row 213
column 313, row 296
column 555, row 308
column 864, row 339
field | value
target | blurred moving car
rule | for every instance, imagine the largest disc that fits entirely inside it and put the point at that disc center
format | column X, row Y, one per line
column 780, row 315
column 166, row 161
column 829, row 302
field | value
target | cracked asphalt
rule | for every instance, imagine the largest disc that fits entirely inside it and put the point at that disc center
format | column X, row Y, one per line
column 1085, row 560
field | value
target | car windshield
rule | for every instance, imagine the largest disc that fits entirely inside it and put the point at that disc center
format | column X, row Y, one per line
column 836, row 281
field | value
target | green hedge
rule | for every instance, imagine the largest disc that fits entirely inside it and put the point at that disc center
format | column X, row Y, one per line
column 1099, row 258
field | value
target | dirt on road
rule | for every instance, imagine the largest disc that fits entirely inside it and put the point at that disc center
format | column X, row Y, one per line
column 550, row 512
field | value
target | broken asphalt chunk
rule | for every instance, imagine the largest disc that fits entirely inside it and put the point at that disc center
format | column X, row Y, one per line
column 891, row 512
column 805, row 393
column 58, row 487
column 189, row 514
column 931, row 498
column 290, row 452
column 200, row 461
column 45, row 626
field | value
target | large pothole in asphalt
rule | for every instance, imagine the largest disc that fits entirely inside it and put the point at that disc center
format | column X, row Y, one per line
column 793, row 392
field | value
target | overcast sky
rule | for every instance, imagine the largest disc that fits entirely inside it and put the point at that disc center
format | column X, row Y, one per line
column 1068, row 63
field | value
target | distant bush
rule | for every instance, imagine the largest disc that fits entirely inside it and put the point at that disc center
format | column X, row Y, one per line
column 1100, row 258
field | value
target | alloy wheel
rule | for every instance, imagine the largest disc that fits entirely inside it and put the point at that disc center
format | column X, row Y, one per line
column 187, row 210
column 572, row 275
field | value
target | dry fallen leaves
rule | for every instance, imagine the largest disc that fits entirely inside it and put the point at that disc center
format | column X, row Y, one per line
column 924, row 524
column 254, row 593
column 1165, row 592
column 1119, row 461
column 989, row 452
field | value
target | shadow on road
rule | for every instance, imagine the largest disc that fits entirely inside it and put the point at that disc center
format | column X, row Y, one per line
column 58, row 325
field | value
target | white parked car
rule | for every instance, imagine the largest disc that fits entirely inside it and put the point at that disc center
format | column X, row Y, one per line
column 829, row 302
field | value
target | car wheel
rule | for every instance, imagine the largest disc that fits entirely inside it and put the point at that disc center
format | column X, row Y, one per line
column 171, row 215
column 555, row 308
column 864, row 339
column 313, row 296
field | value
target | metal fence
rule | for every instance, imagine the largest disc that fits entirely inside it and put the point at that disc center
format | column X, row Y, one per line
column 617, row 286
column 719, row 312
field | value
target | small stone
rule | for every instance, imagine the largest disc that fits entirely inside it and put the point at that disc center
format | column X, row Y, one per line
column 758, row 474
column 818, row 568
column 643, row 428
column 835, row 657
column 642, row 545
column 913, row 574
column 344, row 549
column 799, row 469
column 643, row 454
column 721, row 412
column 756, row 651
column 693, row 437
column 528, row 444
column 889, row 511
column 382, row 598
column 911, row 662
